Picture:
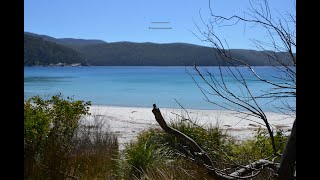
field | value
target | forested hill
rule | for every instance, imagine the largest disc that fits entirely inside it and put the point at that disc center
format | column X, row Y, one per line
column 68, row 41
column 100, row 53
column 40, row 52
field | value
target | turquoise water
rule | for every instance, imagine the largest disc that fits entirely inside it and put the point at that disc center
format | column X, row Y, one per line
column 137, row 86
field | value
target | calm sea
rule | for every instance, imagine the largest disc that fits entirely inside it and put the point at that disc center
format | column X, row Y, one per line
column 140, row 86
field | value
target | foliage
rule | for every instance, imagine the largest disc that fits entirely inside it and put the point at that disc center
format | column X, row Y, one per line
column 57, row 145
column 259, row 147
column 55, row 119
column 151, row 158
column 142, row 155
column 49, row 126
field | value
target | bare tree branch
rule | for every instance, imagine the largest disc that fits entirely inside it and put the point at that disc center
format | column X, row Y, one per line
column 283, row 85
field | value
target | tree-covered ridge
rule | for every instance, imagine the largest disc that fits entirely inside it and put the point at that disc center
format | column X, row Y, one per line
column 100, row 53
column 72, row 42
column 38, row 51
column 173, row 54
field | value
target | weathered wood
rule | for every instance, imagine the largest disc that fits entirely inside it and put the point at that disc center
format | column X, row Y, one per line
column 288, row 158
column 260, row 164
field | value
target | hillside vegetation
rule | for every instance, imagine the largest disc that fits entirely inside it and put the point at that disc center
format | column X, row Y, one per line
column 40, row 52
column 43, row 50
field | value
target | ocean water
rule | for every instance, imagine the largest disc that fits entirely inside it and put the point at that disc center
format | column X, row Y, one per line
column 143, row 85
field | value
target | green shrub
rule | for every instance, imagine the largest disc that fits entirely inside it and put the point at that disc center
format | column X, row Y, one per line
column 49, row 126
column 259, row 147
column 58, row 146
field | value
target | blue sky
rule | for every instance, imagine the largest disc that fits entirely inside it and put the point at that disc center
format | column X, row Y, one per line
column 129, row 20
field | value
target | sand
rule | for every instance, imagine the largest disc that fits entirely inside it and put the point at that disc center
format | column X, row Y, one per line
column 127, row 122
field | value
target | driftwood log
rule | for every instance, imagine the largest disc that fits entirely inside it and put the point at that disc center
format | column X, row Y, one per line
column 241, row 173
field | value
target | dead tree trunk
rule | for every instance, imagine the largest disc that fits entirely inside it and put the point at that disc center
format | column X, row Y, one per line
column 288, row 158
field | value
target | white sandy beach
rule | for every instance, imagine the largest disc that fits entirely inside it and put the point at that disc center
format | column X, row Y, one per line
column 127, row 122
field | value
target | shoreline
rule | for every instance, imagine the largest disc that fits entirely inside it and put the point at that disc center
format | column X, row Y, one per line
column 177, row 108
column 127, row 122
